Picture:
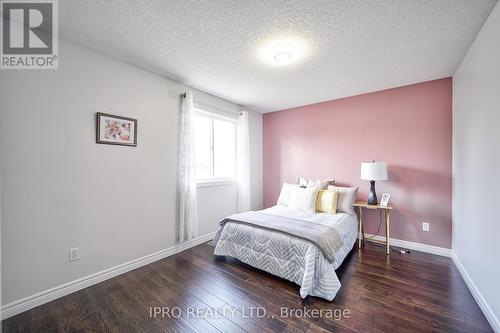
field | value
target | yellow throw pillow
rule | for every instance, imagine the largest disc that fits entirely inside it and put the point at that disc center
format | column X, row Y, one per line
column 326, row 201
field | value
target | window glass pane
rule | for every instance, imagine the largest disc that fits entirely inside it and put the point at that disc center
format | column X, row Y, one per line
column 224, row 149
column 202, row 146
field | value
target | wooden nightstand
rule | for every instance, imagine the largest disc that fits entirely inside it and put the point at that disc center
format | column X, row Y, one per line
column 385, row 212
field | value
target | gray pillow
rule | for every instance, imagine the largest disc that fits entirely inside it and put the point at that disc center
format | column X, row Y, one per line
column 347, row 196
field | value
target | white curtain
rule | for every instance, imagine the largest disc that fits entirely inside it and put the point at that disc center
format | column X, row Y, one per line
column 243, row 162
column 186, row 169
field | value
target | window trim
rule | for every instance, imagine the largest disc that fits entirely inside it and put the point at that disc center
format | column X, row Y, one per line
column 214, row 181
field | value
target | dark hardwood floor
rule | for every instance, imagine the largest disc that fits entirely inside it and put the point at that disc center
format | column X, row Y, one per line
column 414, row 292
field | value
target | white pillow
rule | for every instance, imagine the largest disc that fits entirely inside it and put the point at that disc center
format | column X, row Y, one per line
column 285, row 194
column 314, row 183
column 302, row 182
column 304, row 199
column 346, row 197
column 309, row 182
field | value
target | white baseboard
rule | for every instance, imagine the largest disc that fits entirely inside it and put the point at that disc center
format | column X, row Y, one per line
column 487, row 311
column 440, row 251
column 46, row 296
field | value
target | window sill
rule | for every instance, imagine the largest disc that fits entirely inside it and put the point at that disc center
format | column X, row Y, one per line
column 218, row 182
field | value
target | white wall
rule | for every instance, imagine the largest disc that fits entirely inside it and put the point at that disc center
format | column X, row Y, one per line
column 214, row 203
column 476, row 163
column 60, row 189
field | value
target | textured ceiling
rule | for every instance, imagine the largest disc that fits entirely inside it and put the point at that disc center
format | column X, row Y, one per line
column 350, row 47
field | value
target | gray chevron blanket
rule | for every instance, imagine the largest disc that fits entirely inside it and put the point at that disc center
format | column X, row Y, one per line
column 323, row 235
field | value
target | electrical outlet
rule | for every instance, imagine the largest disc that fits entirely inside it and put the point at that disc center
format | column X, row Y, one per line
column 74, row 254
column 425, row 226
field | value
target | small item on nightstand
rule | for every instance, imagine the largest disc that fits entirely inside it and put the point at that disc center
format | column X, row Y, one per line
column 385, row 199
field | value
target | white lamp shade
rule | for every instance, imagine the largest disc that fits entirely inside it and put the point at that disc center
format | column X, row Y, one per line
column 374, row 171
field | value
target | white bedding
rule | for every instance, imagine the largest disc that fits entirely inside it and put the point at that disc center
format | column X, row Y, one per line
column 289, row 257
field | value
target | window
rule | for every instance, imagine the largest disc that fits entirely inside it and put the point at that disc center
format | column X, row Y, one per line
column 215, row 147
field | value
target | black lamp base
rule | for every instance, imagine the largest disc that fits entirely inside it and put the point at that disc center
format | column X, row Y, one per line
column 372, row 196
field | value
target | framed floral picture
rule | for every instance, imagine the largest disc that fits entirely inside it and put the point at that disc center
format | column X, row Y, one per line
column 116, row 130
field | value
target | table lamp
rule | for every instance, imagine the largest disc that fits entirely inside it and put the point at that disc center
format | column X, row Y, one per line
column 373, row 171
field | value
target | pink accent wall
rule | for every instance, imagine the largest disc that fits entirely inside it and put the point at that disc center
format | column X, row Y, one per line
column 408, row 127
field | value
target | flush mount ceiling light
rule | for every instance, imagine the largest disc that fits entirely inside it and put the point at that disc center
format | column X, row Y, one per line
column 283, row 57
column 281, row 51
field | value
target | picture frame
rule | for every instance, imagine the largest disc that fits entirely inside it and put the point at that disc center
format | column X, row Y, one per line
column 116, row 130
column 385, row 199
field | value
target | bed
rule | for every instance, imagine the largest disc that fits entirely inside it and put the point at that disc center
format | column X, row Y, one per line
column 265, row 240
